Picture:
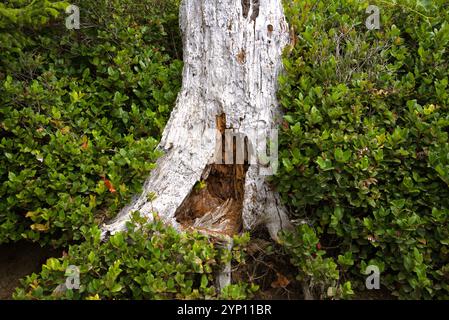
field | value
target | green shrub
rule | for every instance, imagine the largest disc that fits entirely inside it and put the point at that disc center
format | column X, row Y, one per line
column 81, row 111
column 148, row 261
column 364, row 149
column 319, row 276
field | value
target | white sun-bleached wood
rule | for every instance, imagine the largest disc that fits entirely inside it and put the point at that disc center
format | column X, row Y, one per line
column 232, row 59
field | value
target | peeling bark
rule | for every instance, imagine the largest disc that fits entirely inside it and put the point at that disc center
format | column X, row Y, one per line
column 232, row 58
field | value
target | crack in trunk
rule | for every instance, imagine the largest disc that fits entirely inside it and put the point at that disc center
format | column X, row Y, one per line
column 245, row 7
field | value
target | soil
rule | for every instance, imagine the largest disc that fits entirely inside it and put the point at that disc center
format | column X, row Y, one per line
column 18, row 260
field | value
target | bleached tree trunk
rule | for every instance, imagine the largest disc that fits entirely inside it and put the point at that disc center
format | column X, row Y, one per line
column 232, row 58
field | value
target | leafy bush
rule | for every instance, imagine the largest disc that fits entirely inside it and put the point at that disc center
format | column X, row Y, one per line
column 81, row 111
column 319, row 276
column 148, row 261
column 364, row 148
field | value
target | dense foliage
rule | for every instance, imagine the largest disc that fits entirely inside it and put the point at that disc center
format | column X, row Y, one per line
column 148, row 261
column 365, row 148
column 81, row 111
column 319, row 276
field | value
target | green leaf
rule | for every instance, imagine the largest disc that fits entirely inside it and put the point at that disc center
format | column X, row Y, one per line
column 342, row 156
column 116, row 288
column 204, row 281
column 325, row 164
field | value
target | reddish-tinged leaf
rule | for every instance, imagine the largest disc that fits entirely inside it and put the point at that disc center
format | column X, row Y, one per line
column 109, row 185
column 280, row 282
column 85, row 144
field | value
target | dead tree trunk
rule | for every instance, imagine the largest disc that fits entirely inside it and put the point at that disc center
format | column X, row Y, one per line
column 232, row 58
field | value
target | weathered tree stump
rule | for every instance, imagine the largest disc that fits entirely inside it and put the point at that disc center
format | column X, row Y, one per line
column 232, row 58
